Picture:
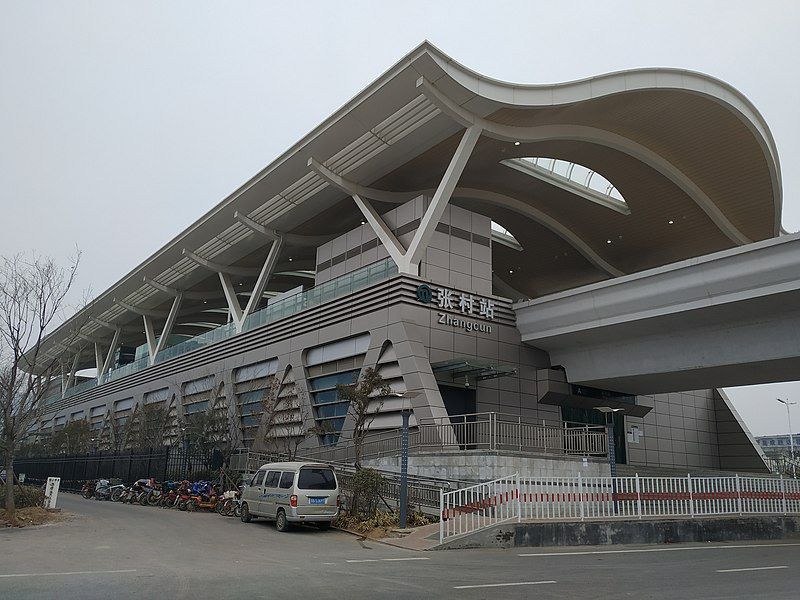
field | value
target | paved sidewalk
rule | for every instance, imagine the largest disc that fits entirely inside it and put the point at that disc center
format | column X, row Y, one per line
column 422, row 538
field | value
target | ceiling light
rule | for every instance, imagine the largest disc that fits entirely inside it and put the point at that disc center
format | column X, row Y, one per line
column 205, row 301
column 290, row 259
column 516, row 143
column 363, row 222
column 671, row 222
column 608, row 241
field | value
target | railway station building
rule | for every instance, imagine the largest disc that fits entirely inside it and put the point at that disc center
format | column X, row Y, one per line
column 433, row 229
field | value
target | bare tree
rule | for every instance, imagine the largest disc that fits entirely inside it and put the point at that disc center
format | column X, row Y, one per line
column 73, row 438
column 365, row 398
column 33, row 291
column 116, row 433
column 284, row 420
column 147, row 427
column 211, row 430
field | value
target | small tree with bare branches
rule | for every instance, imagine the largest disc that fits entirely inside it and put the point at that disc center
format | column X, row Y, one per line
column 284, row 420
column 365, row 399
column 33, row 293
column 212, row 430
column 147, row 427
column 73, row 438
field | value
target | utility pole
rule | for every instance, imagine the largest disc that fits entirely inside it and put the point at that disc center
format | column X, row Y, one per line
column 791, row 435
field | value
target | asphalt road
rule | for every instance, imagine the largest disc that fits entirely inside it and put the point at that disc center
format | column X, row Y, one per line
column 112, row 550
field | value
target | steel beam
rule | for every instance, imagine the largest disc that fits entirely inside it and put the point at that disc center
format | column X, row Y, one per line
column 219, row 267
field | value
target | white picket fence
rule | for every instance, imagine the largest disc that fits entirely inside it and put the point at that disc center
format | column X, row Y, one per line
column 577, row 498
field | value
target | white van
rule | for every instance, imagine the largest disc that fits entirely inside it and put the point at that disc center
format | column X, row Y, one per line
column 292, row 492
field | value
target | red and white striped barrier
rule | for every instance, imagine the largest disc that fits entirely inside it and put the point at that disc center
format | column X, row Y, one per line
column 566, row 498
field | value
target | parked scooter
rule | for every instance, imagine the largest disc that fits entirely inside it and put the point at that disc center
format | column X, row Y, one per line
column 203, row 496
column 169, row 494
column 229, row 503
column 154, row 491
column 87, row 491
column 134, row 493
column 117, row 492
column 104, row 489
column 184, row 495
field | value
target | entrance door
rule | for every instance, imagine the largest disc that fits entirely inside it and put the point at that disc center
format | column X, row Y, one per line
column 589, row 416
column 460, row 401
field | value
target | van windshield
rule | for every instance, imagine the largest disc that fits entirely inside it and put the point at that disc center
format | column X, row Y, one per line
column 316, row 479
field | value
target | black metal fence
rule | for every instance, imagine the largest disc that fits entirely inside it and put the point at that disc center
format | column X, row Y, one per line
column 167, row 463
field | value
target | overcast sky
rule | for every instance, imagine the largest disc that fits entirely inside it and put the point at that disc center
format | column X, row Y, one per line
column 122, row 123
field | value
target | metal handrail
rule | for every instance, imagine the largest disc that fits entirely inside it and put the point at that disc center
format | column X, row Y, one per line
column 477, row 431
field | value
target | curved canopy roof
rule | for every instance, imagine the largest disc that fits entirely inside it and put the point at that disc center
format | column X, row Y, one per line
column 691, row 156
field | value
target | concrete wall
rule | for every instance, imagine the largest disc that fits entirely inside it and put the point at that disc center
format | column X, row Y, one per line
column 485, row 465
column 655, row 531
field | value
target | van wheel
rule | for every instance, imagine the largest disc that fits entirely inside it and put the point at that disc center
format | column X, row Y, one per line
column 245, row 516
column 281, row 522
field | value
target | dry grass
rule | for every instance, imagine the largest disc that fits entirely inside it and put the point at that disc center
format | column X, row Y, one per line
column 30, row 516
column 380, row 524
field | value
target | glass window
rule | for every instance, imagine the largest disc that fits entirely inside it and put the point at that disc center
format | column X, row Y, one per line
column 272, row 479
column 259, row 477
column 326, row 397
column 251, row 420
column 316, row 479
column 332, row 410
column 251, row 409
column 331, row 381
column 287, row 479
column 190, row 409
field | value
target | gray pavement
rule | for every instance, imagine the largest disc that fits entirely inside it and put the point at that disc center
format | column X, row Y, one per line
column 115, row 551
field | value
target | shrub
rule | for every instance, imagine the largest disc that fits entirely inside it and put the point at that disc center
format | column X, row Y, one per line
column 25, row 496
column 365, row 492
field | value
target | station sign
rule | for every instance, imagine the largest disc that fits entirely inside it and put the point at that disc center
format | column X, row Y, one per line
column 469, row 305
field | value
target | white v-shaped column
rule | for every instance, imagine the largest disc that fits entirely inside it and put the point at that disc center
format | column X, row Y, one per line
column 103, row 364
column 239, row 314
column 407, row 260
column 154, row 346
column 73, row 369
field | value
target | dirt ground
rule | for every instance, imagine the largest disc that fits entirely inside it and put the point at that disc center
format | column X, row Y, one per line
column 31, row 516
